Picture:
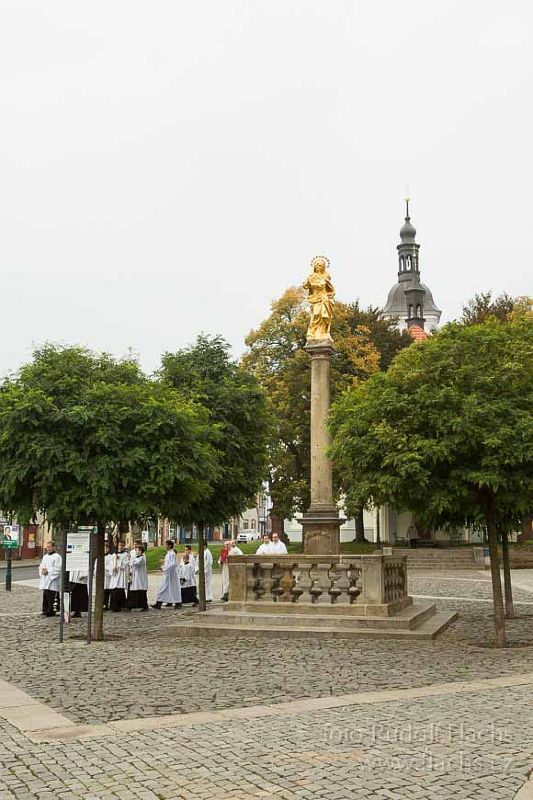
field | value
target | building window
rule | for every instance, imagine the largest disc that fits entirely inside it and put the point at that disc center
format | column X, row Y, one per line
column 419, row 311
column 408, row 262
column 401, row 264
column 410, row 311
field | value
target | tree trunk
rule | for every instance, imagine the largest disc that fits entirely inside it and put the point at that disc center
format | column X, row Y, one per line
column 278, row 525
column 359, row 526
column 98, row 626
column 507, row 586
column 499, row 615
column 201, row 568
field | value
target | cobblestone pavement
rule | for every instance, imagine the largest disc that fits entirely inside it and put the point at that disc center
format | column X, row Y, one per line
column 467, row 747
column 95, row 683
column 471, row 746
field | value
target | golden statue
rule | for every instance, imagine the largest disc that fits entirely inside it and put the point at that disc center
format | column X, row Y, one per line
column 321, row 294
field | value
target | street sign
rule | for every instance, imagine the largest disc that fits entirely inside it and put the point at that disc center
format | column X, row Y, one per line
column 9, row 536
column 78, row 547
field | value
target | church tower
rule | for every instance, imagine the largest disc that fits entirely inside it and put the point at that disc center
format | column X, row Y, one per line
column 409, row 299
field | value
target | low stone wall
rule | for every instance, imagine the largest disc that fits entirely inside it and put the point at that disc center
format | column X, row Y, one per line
column 340, row 584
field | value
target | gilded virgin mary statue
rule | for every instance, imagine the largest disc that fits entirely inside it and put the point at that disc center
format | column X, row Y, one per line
column 320, row 294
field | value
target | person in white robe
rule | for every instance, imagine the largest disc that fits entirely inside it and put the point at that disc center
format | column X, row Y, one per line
column 208, row 572
column 119, row 579
column 276, row 546
column 79, row 594
column 262, row 550
column 169, row 591
column 230, row 549
column 50, row 578
column 109, row 559
column 187, row 580
column 192, row 558
column 137, row 593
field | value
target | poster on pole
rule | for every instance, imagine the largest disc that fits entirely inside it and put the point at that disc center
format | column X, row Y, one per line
column 145, row 537
column 9, row 535
column 78, row 546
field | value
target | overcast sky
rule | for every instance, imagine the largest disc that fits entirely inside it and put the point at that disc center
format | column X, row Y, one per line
column 171, row 167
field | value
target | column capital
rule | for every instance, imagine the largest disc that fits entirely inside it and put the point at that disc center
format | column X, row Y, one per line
column 320, row 348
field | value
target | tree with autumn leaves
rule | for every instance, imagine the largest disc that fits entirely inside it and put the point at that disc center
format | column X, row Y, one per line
column 364, row 344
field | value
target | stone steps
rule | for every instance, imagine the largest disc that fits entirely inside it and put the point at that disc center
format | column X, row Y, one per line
column 427, row 630
column 409, row 618
column 438, row 559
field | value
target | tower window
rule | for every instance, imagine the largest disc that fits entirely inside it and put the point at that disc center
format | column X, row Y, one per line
column 401, row 264
column 410, row 311
column 419, row 311
column 408, row 261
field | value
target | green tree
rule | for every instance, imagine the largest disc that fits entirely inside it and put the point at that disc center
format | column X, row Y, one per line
column 503, row 307
column 447, row 433
column 87, row 439
column 363, row 344
column 236, row 406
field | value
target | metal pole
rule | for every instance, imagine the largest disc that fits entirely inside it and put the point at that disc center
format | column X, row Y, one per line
column 201, row 567
column 90, row 589
column 62, row 582
column 9, row 561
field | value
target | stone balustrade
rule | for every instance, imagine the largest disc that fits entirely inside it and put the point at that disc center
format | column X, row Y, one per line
column 339, row 584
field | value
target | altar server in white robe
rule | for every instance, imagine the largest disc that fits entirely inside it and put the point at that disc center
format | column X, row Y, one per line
column 208, row 572
column 276, row 546
column 50, row 578
column 119, row 579
column 192, row 558
column 108, row 571
column 79, row 594
column 229, row 549
column 137, row 597
column 187, row 580
column 262, row 550
column 169, row 591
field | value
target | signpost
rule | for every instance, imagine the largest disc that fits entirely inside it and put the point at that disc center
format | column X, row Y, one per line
column 9, row 535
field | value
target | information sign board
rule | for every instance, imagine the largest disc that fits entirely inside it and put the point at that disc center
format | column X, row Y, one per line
column 9, row 536
column 78, row 546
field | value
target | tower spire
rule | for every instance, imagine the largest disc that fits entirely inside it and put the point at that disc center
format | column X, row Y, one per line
column 407, row 208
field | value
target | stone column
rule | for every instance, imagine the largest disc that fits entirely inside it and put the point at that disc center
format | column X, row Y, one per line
column 321, row 522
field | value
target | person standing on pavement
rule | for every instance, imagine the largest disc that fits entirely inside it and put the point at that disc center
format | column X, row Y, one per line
column 108, row 571
column 169, row 591
column 208, row 572
column 137, row 593
column 187, row 580
column 50, row 577
column 119, row 579
column 79, row 595
column 192, row 558
column 230, row 549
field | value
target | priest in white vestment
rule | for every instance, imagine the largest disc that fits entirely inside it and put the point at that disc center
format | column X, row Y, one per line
column 50, row 578
column 276, row 546
column 169, row 591
column 208, row 572
column 109, row 560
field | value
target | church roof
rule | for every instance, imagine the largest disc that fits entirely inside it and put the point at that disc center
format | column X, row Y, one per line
column 396, row 304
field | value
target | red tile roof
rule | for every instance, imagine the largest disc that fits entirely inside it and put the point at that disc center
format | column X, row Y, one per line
column 417, row 333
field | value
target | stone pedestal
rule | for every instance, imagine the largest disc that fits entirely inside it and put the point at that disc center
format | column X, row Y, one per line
column 321, row 523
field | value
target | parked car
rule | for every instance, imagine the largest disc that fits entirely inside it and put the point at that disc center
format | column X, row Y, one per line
column 249, row 535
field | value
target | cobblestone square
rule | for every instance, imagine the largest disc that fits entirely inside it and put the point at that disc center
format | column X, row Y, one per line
column 466, row 740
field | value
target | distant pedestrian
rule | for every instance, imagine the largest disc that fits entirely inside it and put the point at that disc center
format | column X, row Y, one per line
column 187, row 580
column 50, row 577
column 137, row 594
column 169, row 591
column 192, row 557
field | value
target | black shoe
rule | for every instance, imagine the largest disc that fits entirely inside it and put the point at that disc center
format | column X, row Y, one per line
column 144, row 609
column 224, row 598
column 177, row 605
column 76, row 614
column 157, row 605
